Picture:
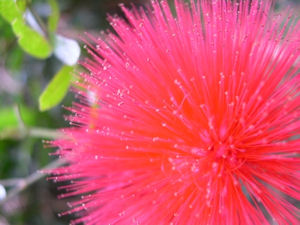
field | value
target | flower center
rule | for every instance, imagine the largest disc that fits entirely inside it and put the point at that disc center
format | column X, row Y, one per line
column 221, row 150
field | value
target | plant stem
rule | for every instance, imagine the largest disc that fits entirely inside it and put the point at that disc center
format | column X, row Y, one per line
column 35, row 132
column 38, row 20
column 22, row 183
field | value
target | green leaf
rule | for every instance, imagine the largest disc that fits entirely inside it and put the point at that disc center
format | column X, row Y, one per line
column 9, row 10
column 54, row 17
column 6, row 31
column 22, row 4
column 56, row 89
column 30, row 40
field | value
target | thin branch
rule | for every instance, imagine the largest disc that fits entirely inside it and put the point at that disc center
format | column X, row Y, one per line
column 24, row 132
column 10, row 182
column 38, row 20
column 19, row 117
column 39, row 132
column 23, row 183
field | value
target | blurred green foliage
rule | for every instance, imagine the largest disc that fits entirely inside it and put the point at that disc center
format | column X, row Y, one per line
column 35, row 74
column 56, row 89
column 38, row 53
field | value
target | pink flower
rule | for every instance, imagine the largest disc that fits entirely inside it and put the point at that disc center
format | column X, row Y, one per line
column 188, row 119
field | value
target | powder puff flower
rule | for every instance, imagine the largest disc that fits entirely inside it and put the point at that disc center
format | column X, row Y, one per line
column 187, row 118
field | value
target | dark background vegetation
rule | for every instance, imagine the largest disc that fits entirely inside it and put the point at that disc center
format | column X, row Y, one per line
column 22, row 80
